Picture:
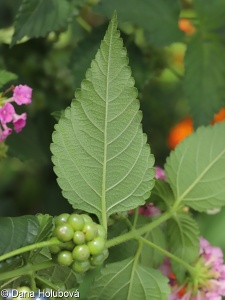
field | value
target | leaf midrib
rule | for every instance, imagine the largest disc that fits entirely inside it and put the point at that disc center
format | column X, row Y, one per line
column 199, row 177
column 103, row 198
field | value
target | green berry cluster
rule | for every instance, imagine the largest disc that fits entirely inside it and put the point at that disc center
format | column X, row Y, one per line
column 83, row 242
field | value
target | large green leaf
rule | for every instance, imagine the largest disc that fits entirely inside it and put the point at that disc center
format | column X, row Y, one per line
column 210, row 13
column 17, row 232
column 183, row 241
column 131, row 281
column 195, row 170
column 99, row 151
column 37, row 18
column 204, row 77
column 159, row 19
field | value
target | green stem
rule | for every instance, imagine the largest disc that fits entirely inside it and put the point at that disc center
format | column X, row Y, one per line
column 51, row 242
column 84, row 24
column 189, row 268
column 136, row 213
column 135, row 233
column 27, row 270
column 136, row 258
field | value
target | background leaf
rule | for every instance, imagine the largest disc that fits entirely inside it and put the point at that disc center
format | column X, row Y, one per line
column 99, row 151
column 204, row 77
column 128, row 280
column 195, row 170
column 37, row 18
column 17, row 232
column 183, row 241
column 6, row 76
column 210, row 13
column 159, row 19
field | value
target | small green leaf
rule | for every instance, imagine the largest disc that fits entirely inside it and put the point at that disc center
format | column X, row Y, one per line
column 183, row 241
column 131, row 281
column 99, row 150
column 6, row 77
column 162, row 192
column 195, row 170
column 44, row 232
column 45, row 229
column 17, row 232
column 159, row 19
column 37, row 18
column 204, row 77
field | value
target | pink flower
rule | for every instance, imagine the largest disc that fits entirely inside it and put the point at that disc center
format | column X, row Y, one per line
column 211, row 285
column 6, row 113
column 5, row 132
column 149, row 210
column 19, row 121
column 160, row 173
column 22, row 94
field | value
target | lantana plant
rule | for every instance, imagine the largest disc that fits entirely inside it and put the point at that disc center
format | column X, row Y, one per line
column 22, row 94
column 132, row 234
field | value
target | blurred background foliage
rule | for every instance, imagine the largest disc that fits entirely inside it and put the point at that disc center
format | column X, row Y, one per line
column 177, row 55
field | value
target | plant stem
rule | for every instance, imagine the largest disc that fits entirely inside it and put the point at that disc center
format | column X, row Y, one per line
column 189, row 268
column 135, row 233
column 48, row 243
column 28, row 270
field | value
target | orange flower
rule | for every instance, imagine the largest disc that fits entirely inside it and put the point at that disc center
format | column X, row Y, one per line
column 185, row 128
column 179, row 132
column 219, row 117
column 185, row 25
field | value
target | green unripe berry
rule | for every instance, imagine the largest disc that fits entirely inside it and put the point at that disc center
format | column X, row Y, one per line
column 105, row 252
column 97, row 260
column 54, row 249
column 65, row 258
column 90, row 230
column 86, row 218
column 96, row 246
column 76, row 221
column 101, row 231
column 81, row 253
column 79, row 238
column 81, row 267
column 23, row 293
column 69, row 245
column 64, row 232
column 61, row 219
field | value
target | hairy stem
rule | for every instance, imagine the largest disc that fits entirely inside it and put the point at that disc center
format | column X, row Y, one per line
column 19, row 251
column 135, row 233
column 27, row 270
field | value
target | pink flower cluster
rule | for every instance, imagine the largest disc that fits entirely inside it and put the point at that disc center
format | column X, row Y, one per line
column 21, row 95
column 212, row 284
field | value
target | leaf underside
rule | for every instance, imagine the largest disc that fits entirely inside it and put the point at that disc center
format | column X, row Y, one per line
column 128, row 280
column 195, row 169
column 99, row 151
